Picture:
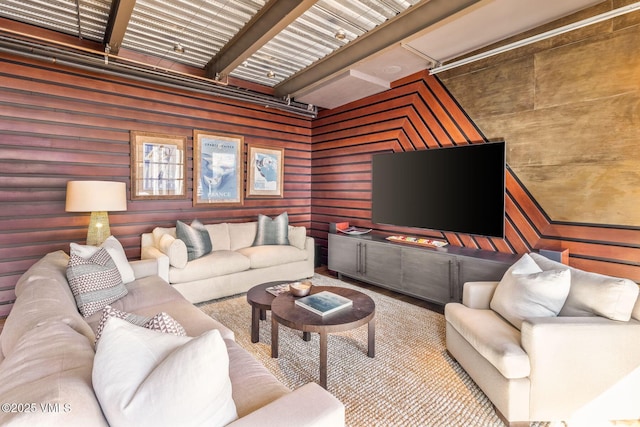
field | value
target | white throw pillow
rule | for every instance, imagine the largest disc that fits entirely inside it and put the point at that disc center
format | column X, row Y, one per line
column 175, row 249
column 526, row 291
column 146, row 378
column 297, row 236
column 115, row 249
column 595, row 294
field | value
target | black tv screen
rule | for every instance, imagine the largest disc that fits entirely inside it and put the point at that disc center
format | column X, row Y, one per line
column 458, row 189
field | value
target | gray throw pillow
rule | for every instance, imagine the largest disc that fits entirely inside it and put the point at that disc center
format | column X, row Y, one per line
column 196, row 237
column 94, row 282
column 272, row 231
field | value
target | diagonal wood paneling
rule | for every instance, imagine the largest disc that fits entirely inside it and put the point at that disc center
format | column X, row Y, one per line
column 419, row 113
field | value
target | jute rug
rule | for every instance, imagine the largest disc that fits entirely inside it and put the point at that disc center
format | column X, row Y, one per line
column 412, row 381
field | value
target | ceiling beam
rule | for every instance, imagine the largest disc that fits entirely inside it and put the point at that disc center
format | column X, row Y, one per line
column 267, row 23
column 119, row 17
column 407, row 24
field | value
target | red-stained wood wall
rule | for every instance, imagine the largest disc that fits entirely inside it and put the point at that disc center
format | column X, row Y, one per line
column 59, row 124
column 419, row 113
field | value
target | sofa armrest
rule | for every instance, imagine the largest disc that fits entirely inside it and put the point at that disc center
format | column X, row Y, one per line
column 151, row 252
column 478, row 294
column 307, row 406
column 144, row 268
column 582, row 364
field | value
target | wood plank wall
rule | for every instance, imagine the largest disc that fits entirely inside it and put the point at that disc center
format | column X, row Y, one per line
column 419, row 113
column 59, row 124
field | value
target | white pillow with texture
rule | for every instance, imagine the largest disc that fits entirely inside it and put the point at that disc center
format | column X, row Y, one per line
column 175, row 249
column 115, row 249
column 594, row 294
column 526, row 291
column 145, row 378
column 297, row 236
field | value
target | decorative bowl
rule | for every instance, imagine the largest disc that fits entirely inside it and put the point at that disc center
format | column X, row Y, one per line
column 300, row 289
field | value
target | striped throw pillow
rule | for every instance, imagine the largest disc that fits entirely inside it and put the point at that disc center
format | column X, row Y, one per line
column 272, row 231
column 196, row 237
column 95, row 282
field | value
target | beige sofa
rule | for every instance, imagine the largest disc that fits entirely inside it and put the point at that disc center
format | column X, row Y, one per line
column 234, row 265
column 48, row 354
column 576, row 366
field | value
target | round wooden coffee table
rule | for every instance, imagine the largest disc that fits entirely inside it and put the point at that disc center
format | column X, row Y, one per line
column 284, row 311
column 260, row 301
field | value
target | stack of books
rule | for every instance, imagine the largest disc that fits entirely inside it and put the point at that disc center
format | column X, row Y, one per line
column 324, row 303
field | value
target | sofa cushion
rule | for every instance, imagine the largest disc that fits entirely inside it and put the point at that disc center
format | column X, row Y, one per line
column 43, row 296
column 297, row 236
column 50, row 364
column 217, row 263
column 115, row 249
column 144, row 378
column 175, row 249
column 94, row 282
column 496, row 340
column 158, row 232
column 220, row 240
column 253, row 385
column 593, row 294
column 242, row 234
column 525, row 291
column 160, row 322
column 270, row 255
column 196, row 237
column 272, row 231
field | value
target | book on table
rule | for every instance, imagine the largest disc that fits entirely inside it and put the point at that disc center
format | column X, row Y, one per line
column 324, row 303
column 278, row 289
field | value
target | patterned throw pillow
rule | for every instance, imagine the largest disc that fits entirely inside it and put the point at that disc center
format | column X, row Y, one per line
column 94, row 282
column 161, row 322
column 196, row 237
column 272, row 231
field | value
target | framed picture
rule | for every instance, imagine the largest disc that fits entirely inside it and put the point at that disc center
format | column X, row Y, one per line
column 266, row 171
column 158, row 168
column 217, row 169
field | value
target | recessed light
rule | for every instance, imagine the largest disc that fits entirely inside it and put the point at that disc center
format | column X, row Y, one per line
column 271, row 74
column 340, row 34
column 177, row 48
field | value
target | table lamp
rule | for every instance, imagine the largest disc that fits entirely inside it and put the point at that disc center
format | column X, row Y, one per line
column 96, row 197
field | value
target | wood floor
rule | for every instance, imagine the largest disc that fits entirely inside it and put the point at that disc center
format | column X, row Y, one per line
column 406, row 298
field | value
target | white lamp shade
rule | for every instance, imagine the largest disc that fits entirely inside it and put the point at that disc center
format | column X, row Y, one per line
column 96, row 196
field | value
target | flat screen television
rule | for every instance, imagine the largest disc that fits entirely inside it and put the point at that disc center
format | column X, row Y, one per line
column 457, row 189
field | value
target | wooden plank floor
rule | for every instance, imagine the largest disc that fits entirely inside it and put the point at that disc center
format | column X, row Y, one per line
column 402, row 297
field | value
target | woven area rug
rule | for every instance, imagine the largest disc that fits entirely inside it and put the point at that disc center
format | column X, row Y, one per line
column 412, row 381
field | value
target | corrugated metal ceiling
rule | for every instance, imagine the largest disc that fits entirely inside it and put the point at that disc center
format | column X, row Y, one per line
column 204, row 27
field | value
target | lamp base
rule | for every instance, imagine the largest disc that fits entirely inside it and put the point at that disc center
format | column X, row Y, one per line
column 98, row 228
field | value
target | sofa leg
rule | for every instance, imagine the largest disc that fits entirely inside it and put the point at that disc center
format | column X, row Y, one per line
column 511, row 423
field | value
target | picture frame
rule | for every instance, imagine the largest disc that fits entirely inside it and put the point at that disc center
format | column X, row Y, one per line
column 265, row 175
column 217, row 169
column 158, row 167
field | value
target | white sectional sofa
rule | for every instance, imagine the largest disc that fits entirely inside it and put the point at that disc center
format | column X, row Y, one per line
column 581, row 365
column 47, row 361
column 234, row 265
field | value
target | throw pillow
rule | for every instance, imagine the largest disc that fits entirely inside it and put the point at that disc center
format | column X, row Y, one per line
column 94, row 282
column 272, row 231
column 196, row 237
column 526, row 291
column 175, row 249
column 297, row 236
column 161, row 322
column 144, row 378
column 595, row 294
column 115, row 249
